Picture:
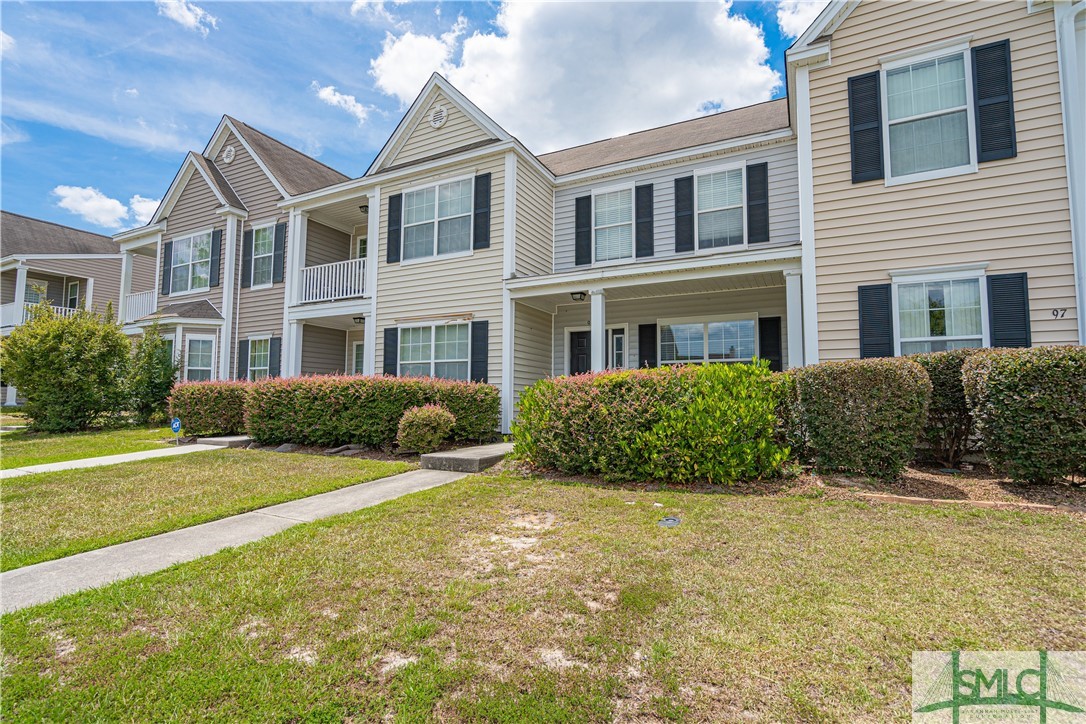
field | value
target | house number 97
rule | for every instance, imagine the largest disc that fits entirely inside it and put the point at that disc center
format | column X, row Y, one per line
column 1059, row 313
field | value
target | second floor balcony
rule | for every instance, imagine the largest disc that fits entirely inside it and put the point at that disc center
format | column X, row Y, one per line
column 333, row 282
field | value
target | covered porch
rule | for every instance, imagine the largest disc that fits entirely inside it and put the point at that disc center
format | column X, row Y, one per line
column 28, row 282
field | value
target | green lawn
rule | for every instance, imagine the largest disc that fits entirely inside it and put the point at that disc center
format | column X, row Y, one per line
column 19, row 449
column 505, row 599
column 50, row 515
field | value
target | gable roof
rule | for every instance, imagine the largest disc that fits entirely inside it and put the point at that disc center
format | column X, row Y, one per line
column 296, row 172
column 23, row 235
column 746, row 121
column 222, row 188
column 195, row 163
column 196, row 309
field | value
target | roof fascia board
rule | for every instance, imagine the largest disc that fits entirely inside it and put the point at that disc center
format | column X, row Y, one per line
column 217, row 141
column 826, row 23
column 227, row 210
column 104, row 255
column 180, row 181
column 186, row 321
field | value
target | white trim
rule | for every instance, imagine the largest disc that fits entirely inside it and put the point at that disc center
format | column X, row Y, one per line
column 941, row 274
column 372, row 262
column 29, row 284
column 432, row 326
column 189, row 236
column 793, row 316
column 509, row 219
column 139, row 232
column 567, row 348
column 955, row 271
column 509, row 223
column 353, row 352
column 228, row 295
column 805, row 172
column 249, row 351
column 48, row 257
column 68, row 294
column 705, row 322
column 218, row 138
column 614, row 188
column 611, row 328
column 180, row 181
column 1069, row 18
column 722, row 168
column 252, row 265
column 925, row 52
column 436, row 186
column 826, row 23
column 199, row 338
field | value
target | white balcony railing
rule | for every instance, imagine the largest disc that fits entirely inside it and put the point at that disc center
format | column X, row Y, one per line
column 10, row 317
column 338, row 280
column 138, row 305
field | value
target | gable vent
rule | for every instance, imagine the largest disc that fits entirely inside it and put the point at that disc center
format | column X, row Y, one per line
column 438, row 117
column 228, row 154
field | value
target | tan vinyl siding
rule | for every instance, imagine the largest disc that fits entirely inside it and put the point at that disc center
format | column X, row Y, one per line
column 1012, row 213
column 324, row 245
column 194, row 212
column 7, row 286
column 424, row 141
column 54, row 286
column 532, row 340
column 186, row 333
column 322, row 350
column 463, row 285
column 783, row 201
column 765, row 302
column 534, row 222
column 105, row 272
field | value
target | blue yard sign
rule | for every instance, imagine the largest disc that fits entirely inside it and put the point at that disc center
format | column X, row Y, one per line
column 175, row 425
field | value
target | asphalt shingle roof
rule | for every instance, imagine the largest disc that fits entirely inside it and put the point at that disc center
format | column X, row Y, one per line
column 197, row 309
column 219, row 180
column 295, row 171
column 23, row 235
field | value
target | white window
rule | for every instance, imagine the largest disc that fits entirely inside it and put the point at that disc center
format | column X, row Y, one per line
column 360, row 248
column 263, row 255
column 435, row 351
column 358, row 357
column 724, row 339
column 73, row 295
column 191, row 263
column 199, row 358
column 259, row 358
column 437, row 220
column 618, row 349
column 927, row 104
column 612, row 225
column 720, row 201
column 934, row 314
column 34, row 290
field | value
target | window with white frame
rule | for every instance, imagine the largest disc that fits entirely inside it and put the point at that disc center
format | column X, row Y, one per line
column 439, row 350
column 618, row 349
column 713, row 340
column 612, row 225
column 259, row 358
column 34, row 290
column 927, row 115
column 263, row 255
column 73, row 295
column 361, row 247
column 720, row 209
column 199, row 358
column 358, row 358
column 437, row 220
column 191, row 269
column 937, row 315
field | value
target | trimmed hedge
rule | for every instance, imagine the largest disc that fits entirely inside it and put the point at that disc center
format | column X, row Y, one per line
column 1030, row 410
column 862, row 416
column 949, row 427
column 343, row 409
column 423, row 429
column 210, row 408
column 714, row 423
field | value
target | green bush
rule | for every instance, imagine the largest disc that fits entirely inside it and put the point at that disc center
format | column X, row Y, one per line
column 210, row 408
column 713, row 423
column 862, row 416
column 422, row 429
column 150, row 376
column 949, row 427
column 342, row 409
column 1030, row 410
column 71, row 369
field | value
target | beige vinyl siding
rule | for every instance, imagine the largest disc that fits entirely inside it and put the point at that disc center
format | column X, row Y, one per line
column 463, row 285
column 322, row 350
column 764, row 301
column 7, row 286
column 1012, row 213
column 783, row 201
column 54, row 286
column 186, row 332
column 324, row 245
column 195, row 212
column 534, row 222
column 105, row 272
column 532, row 340
column 424, row 141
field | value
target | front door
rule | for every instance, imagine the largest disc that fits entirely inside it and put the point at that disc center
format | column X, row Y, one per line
column 580, row 352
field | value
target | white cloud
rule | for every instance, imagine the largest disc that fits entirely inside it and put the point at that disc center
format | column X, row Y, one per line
column 376, row 10
column 795, row 16
column 334, row 98
column 132, row 92
column 95, row 207
column 142, row 209
column 7, row 43
column 559, row 74
column 12, row 134
column 188, row 15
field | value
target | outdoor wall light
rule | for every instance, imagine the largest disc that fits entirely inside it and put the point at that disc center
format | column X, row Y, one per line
column 577, row 296
column 364, row 208
column 358, row 320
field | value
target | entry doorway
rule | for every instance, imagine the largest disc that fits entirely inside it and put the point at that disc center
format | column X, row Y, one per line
column 580, row 350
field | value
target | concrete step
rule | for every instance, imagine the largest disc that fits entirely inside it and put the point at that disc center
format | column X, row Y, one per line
column 468, row 459
column 227, row 441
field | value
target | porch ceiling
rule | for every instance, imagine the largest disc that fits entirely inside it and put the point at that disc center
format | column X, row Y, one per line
column 336, row 321
column 343, row 215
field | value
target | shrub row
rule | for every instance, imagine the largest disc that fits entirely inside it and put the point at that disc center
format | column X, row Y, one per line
column 949, row 430
column 210, row 408
column 337, row 410
column 713, row 423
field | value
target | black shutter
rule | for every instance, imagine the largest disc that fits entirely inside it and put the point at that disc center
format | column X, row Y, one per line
column 646, row 345
column 684, row 214
column 757, row 203
column 865, row 127
column 480, row 350
column 643, row 213
column 993, row 111
column 583, row 230
column 167, row 268
column 247, row 259
column 275, row 347
column 392, row 349
column 481, row 232
column 395, row 222
column 216, row 256
column 1008, row 310
column 278, row 260
column 876, row 321
column 770, row 346
column 243, row 359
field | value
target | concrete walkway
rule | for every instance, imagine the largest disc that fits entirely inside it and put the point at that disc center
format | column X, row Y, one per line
column 105, row 460
column 43, row 582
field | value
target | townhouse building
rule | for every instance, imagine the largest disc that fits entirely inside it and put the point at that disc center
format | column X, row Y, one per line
column 920, row 188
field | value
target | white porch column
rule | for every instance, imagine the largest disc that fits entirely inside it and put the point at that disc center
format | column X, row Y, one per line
column 293, row 366
column 20, row 294
column 90, row 293
column 793, row 289
column 12, row 397
column 299, row 221
column 373, row 245
column 126, row 287
column 228, row 286
column 806, row 214
column 598, row 300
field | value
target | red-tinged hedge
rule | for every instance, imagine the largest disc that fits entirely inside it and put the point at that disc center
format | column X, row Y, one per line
column 423, row 429
column 1029, row 406
column 339, row 410
column 210, row 408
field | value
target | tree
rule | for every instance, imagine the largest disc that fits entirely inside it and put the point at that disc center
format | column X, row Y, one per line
column 71, row 369
column 151, row 376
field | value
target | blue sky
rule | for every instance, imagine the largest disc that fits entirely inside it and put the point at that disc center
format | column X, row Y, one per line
column 100, row 101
